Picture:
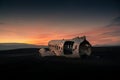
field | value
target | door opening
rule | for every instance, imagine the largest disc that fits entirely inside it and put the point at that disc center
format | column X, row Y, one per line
column 68, row 47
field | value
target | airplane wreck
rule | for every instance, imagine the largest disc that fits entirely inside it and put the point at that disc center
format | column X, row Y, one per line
column 75, row 47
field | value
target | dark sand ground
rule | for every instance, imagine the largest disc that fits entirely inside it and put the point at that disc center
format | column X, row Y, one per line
column 104, row 60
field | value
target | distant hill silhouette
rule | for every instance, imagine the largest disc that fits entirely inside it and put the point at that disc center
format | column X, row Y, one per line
column 9, row 46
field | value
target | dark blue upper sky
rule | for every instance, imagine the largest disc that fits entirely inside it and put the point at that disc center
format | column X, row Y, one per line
column 65, row 7
column 61, row 10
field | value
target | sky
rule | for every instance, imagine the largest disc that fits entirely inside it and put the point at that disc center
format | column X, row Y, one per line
column 39, row 21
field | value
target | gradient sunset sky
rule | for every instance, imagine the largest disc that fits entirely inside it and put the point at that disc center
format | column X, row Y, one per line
column 38, row 21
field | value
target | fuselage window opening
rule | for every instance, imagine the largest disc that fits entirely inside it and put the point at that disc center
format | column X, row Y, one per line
column 75, row 46
column 57, row 47
column 61, row 48
column 68, row 45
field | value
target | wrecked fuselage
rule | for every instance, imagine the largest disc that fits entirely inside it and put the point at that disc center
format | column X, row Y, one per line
column 75, row 47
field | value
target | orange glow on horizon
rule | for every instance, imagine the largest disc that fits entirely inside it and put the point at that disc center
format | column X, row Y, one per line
column 41, row 35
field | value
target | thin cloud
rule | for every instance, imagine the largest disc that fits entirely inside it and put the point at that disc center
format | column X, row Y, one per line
column 114, row 28
column 114, row 22
column 106, row 35
column 113, row 33
column 110, row 34
column 1, row 23
column 117, row 19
